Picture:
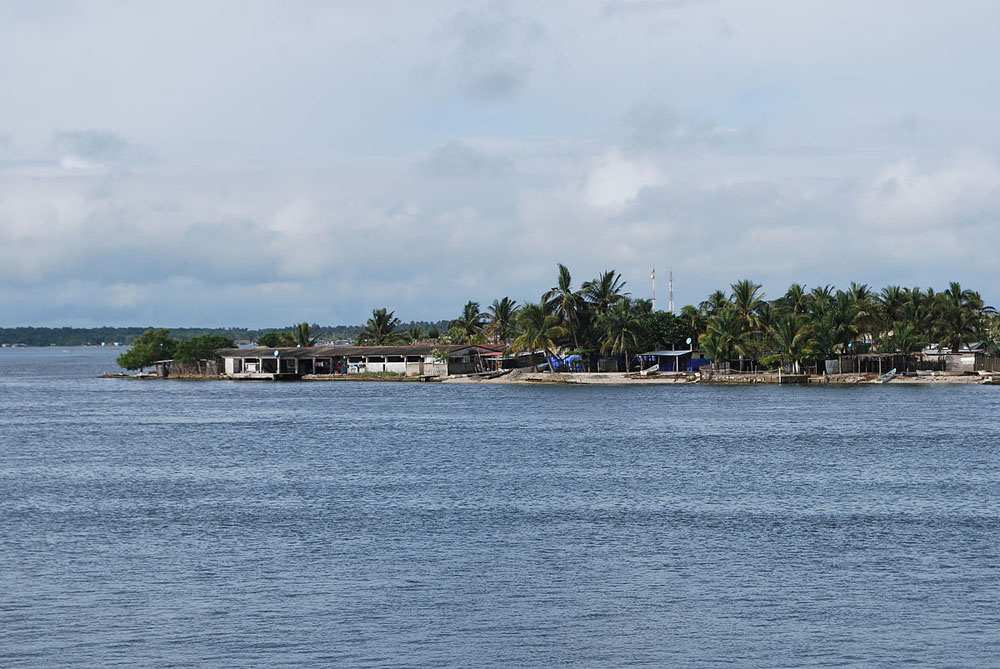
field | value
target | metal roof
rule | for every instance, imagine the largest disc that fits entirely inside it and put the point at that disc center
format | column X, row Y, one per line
column 342, row 351
column 675, row 354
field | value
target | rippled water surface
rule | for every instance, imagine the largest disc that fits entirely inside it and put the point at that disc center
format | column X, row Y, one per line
column 172, row 523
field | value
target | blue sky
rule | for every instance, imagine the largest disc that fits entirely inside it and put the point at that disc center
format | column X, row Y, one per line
column 257, row 164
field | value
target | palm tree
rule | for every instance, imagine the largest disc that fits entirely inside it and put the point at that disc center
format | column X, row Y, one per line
column 536, row 330
column 604, row 291
column 565, row 303
column 724, row 336
column 960, row 317
column 905, row 338
column 501, row 314
column 302, row 335
column 693, row 320
column 746, row 301
column 891, row 301
column 715, row 302
column 620, row 329
column 791, row 337
column 796, row 300
column 471, row 322
column 379, row 330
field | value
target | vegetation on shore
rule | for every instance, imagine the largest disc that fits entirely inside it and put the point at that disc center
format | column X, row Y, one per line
column 800, row 327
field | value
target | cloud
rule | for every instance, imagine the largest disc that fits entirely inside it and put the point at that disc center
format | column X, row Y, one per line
column 95, row 150
column 458, row 159
column 657, row 126
column 616, row 179
column 964, row 193
column 490, row 53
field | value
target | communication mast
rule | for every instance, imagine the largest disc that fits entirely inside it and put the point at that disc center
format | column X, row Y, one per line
column 671, row 303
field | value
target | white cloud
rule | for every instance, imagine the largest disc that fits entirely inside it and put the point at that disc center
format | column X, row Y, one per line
column 615, row 180
column 962, row 193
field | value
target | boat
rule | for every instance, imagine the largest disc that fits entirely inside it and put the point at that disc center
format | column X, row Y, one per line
column 885, row 378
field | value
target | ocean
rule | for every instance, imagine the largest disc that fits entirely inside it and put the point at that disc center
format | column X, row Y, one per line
column 350, row 524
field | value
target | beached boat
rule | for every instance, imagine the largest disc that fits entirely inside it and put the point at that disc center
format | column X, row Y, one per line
column 885, row 378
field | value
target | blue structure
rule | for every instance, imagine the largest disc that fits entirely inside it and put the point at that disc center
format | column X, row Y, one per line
column 674, row 361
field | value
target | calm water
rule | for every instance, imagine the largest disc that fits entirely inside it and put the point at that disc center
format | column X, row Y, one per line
column 171, row 523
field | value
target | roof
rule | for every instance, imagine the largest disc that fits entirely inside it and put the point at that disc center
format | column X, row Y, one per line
column 674, row 354
column 341, row 351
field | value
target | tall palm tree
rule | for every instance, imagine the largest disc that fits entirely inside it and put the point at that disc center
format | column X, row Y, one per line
column 724, row 336
column 717, row 301
column 380, row 328
column 471, row 322
column 536, row 330
column 501, row 314
column 602, row 292
column 891, row 301
column 796, row 299
column 791, row 337
column 693, row 320
column 746, row 300
column 620, row 329
column 302, row 335
column 905, row 338
column 565, row 303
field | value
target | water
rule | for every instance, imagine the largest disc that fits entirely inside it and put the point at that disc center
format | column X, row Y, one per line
column 219, row 524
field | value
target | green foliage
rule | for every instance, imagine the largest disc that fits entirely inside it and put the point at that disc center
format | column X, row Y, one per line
column 151, row 346
column 301, row 335
column 201, row 348
column 275, row 339
column 470, row 323
column 662, row 329
column 380, row 329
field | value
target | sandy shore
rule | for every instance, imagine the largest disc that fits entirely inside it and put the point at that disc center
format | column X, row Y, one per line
column 620, row 378
column 579, row 378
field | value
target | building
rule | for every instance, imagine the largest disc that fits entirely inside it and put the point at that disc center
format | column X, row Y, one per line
column 673, row 361
column 298, row 362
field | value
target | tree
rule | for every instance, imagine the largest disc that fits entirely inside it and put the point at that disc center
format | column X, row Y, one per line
column 604, row 291
column 275, row 339
column 301, row 335
column 415, row 333
column 501, row 314
column 565, row 303
column 620, row 329
column 536, row 330
column 380, row 328
column 471, row 322
column 791, row 337
column 724, row 336
column 201, row 348
column 150, row 346
column 658, row 329
column 905, row 339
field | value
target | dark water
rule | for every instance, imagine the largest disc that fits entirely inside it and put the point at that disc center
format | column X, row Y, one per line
column 171, row 523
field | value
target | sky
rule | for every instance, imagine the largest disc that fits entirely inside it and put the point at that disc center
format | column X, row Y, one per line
column 256, row 164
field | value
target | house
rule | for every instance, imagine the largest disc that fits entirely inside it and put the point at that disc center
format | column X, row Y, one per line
column 298, row 362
